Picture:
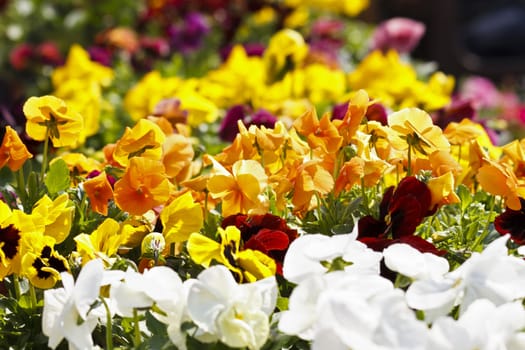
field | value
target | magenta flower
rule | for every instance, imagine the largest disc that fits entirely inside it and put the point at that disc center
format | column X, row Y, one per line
column 229, row 128
column 400, row 34
column 187, row 36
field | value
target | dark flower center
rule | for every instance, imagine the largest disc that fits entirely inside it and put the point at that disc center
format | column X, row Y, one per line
column 10, row 237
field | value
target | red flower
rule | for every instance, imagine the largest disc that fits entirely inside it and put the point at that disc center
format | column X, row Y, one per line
column 513, row 222
column 267, row 233
column 400, row 211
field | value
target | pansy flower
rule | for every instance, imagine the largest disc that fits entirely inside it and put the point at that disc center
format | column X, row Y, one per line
column 49, row 117
column 286, row 50
column 413, row 127
column 180, row 218
column 10, row 239
column 240, row 189
column 99, row 192
column 400, row 212
column 145, row 139
column 513, row 222
column 247, row 265
column 41, row 264
column 229, row 125
column 319, row 133
column 499, row 179
column 13, row 152
column 143, row 186
column 267, row 233
column 49, row 217
column 103, row 242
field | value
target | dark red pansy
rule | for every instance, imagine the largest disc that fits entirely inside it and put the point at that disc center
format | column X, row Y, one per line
column 267, row 233
column 400, row 212
column 513, row 222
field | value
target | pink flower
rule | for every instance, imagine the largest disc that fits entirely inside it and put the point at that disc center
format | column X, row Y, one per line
column 400, row 34
column 481, row 91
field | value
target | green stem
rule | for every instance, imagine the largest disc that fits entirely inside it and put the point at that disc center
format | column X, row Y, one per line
column 16, row 285
column 21, row 182
column 32, row 296
column 365, row 197
column 109, row 326
column 136, row 329
column 409, row 160
column 486, row 231
column 44, row 154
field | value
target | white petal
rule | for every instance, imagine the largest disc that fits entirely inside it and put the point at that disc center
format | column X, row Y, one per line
column 301, row 261
column 267, row 290
column 52, row 322
column 435, row 297
column 126, row 298
column 87, row 287
column 412, row 263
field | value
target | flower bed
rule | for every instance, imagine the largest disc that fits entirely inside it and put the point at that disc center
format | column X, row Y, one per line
column 310, row 185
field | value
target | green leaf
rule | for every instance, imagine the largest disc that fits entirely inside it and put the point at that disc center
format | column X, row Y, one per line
column 465, row 196
column 282, row 303
column 57, row 179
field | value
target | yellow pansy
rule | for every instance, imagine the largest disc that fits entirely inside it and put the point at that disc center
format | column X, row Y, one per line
column 413, row 127
column 50, row 217
column 103, row 242
column 49, row 117
column 141, row 99
column 200, row 109
column 181, row 218
column 80, row 67
column 248, row 265
column 286, row 50
column 10, row 241
column 347, row 7
column 41, row 264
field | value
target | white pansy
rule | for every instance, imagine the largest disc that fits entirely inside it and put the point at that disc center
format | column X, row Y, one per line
column 308, row 300
column 67, row 311
column 409, row 261
column 341, row 310
column 482, row 326
column 313, row 253
column 491, row 274
column 237, row 315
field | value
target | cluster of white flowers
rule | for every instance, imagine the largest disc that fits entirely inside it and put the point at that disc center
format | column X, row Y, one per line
column 340, row 300
column 221, row 309
column 355, row 308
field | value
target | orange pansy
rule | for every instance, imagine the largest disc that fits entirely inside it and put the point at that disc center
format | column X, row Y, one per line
column 311, row 178
column 319, row 133
column 240, row 190
column 177, row 156
column 13, row 152
column 145, row 139
column 464, row 131
column 99, row 192
column 143, row 186
column 499, row 179
column 442, row 190
column 355, row 113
